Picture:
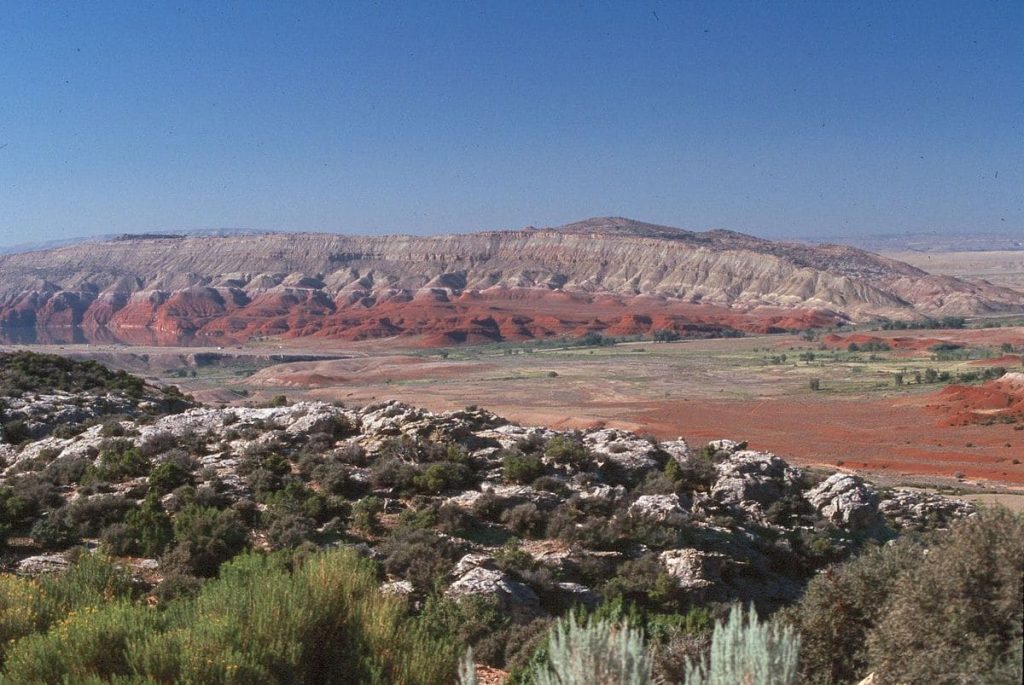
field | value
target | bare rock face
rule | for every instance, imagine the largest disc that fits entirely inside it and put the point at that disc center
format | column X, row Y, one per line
column 513, row 596
column 677, row 449
column 846, row 501
column 43, row 413
column 693, row 569
column 726, row 445
column 661, row 508
column 912, row 509
column 575, row 593
column 504, row 285
column 754, row 478
column 394, row 419
column 630, row 454
column 43, row 563
column 471, row 561
column 600, row 493
column 401, row 588
column 390, row 419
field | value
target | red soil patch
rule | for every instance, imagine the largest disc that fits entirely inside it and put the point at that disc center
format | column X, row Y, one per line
column 894, row 436
column 889, row 435
column 922, row 340
column 902, row 343
column 1001, row 400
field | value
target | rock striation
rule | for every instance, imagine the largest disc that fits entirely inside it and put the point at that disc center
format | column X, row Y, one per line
column 606, row 275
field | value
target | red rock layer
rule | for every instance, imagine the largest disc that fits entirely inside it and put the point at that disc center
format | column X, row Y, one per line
column 998, row 401
column 227, row 316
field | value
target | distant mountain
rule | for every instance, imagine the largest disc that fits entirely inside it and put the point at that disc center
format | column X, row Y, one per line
column 608, row 275
column 932, row 242
column 52, row 244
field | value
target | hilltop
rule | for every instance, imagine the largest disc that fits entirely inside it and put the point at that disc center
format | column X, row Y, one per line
column 601, row 275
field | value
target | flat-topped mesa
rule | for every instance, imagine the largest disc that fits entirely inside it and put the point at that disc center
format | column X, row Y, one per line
column 599, row 275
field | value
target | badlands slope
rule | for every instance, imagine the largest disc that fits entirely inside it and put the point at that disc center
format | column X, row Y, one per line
column 608, row 275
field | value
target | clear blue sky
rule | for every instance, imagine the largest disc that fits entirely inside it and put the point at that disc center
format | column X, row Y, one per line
column 778, row 119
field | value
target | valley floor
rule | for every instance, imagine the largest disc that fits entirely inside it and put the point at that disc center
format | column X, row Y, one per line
column 756, row 388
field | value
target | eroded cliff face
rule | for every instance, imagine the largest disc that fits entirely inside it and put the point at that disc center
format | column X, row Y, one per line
column 605, row 275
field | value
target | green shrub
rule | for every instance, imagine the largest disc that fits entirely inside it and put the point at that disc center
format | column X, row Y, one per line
column 468, row 620
column 55, row 532
column 90, row 581
column 22, row 372
column 119, row 459
column 644, row 582
column 66, row 471
column 149, row 527
column 522, row 468
column 204, row 538
column 525, row 520
column 567, row 451
column 947, row 608
column 697, row 472
column 15, row 508
column 333, row 477
column 89, row 515
column 15, row 432
column 958, row 615
column 21, row 610
column 366, row 514
column 297, row 500
column 290, row 530
column 117, row 540
column 112, row 429
column 842, row 604
column 91, row 642
column 395, row 473
column 442, row 477
column 745, row 650
column 419, row 556
column 594, row 653
column 326, row 621
column 168, row 476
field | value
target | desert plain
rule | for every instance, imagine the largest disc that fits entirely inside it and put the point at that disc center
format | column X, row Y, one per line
column 756, row 388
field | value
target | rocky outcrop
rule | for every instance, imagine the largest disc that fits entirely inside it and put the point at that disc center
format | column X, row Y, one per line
column 661, row 508
column 693, row 569
column 629, row 454
column 613, row 275
column 754, row 480
column 916, row 510
column 479, row 579
column 526, row 547
column 43, row 563
column 846, row 500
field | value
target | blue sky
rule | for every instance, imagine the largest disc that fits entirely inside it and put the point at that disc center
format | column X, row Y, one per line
column 773, row 118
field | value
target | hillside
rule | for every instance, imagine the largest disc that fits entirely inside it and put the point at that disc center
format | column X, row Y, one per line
column 465, row 526
column 605, row 275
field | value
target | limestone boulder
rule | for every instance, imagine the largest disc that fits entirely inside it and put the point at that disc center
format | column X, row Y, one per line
column 846, row 501
column 693, row 569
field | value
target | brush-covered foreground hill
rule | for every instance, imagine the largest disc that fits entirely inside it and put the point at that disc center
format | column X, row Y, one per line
column 607, row 275
column 480, row 533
